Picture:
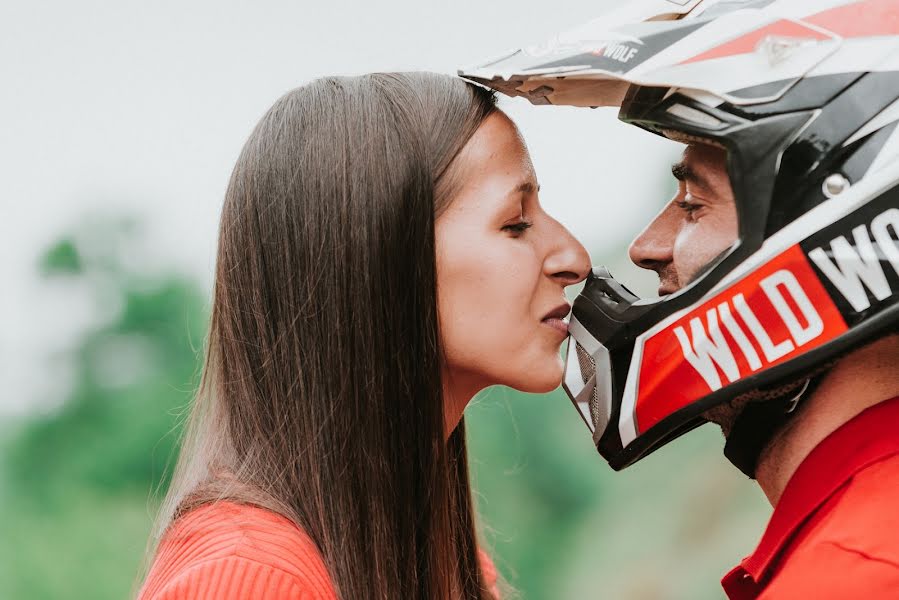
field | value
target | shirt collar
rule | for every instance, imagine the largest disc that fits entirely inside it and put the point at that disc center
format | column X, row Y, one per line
column 865, row 439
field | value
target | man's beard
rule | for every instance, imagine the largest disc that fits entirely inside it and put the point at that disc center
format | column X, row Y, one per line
column 668, row 277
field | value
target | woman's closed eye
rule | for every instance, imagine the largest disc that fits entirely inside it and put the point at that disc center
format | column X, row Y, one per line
column 518, row 227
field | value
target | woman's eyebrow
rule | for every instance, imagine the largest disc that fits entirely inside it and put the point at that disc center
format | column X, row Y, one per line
column 526, row 187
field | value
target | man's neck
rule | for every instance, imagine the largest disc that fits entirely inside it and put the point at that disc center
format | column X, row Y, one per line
column 862, row 379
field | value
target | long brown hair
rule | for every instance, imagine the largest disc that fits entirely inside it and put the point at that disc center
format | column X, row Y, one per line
column 321, row 396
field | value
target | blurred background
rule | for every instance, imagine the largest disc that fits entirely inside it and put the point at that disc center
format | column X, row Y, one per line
column 120, row 124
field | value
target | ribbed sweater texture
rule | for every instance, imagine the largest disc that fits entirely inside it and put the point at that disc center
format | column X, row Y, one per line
column 229, row 551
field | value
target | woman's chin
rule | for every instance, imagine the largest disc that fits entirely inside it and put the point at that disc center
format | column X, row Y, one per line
column 542, row 381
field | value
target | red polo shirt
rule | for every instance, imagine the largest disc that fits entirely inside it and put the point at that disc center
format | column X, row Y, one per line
column 835, row 532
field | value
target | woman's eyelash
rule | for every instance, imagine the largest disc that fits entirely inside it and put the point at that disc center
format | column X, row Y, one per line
column 519, row 227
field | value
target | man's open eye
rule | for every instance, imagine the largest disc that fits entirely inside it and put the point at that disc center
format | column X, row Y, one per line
column 688, row 205
column 517, row 228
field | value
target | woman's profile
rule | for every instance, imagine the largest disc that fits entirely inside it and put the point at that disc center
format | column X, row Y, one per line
column 382, row 257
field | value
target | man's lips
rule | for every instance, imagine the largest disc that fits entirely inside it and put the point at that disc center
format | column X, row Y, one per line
column 557, row 318
column 668, row 280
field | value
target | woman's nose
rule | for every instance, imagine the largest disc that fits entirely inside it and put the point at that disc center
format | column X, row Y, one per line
column 568, row 261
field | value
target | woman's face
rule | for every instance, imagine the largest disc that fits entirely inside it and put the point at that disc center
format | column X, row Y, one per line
column 502, row 267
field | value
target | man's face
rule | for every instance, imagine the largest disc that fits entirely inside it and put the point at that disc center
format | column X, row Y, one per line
column 697, row 225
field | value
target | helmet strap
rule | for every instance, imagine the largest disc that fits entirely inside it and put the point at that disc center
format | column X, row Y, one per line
column 758, row 422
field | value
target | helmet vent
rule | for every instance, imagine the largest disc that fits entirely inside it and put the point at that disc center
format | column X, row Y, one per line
column 588, row 369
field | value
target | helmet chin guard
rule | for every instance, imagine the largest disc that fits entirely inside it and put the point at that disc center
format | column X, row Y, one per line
column 804, row 97
column 586, row 378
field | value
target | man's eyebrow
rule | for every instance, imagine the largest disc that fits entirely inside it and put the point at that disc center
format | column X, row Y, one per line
column 683, row 172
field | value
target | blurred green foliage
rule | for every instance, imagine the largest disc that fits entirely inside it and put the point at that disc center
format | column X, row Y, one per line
column 75, row 493
column 562, row 525
column 77, row 485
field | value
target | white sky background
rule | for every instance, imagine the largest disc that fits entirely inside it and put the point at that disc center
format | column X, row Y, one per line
column 141, row 108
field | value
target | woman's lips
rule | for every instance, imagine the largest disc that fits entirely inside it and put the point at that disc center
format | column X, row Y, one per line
column 560, row 325
column 558, row 318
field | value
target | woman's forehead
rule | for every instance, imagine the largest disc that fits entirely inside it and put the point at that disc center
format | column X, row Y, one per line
column 497, row 149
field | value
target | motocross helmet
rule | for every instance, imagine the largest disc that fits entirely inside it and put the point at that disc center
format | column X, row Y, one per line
column 804, row 97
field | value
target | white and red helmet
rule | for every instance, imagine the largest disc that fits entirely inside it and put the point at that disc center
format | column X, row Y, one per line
column 804, row 96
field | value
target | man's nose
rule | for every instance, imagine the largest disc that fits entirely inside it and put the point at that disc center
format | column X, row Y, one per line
column 654, row 247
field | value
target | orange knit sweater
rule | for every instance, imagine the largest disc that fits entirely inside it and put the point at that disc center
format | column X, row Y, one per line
column 228, row 551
